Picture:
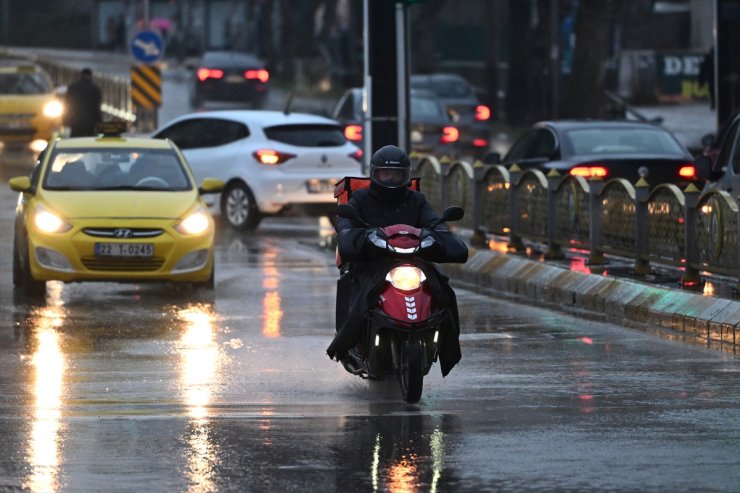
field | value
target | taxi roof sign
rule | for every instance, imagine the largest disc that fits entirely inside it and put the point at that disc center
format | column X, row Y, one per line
column 112, row 128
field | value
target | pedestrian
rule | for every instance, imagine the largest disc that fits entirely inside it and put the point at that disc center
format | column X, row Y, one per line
column 706, row 75
column 82, row 105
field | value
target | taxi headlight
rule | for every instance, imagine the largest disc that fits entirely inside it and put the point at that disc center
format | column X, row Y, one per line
column 53, row 109
column 406, row 277
column 49, row 222
column 195, row 224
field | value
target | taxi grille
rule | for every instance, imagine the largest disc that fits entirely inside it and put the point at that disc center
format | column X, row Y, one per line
column 132, row 264
column 123, row 232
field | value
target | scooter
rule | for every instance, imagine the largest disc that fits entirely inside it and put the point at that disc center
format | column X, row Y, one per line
column 401, row 334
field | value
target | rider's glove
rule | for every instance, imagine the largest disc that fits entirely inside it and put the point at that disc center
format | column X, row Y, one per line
column 375, row 236
column 427, row 238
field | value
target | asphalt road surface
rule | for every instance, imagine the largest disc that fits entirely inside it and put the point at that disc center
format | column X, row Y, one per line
column 127, row 387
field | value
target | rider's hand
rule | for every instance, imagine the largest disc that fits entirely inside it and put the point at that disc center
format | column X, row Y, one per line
column 377, row 238
column 427, row 238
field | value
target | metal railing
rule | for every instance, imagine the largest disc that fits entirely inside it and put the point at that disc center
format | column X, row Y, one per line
column 663, row 225
column 115, row 90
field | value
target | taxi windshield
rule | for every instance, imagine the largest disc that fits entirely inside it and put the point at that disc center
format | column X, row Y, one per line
column 115, row 169
column 24, row 83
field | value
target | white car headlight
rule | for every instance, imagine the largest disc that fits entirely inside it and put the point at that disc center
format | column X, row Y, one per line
column 195, row 224
column 406, row 277
column 49, row 222
column 53, row 109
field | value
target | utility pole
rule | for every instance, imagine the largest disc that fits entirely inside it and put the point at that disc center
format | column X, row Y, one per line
column 386, row 102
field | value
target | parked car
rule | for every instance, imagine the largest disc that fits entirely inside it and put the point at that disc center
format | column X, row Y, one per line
column 112, row 209
column 463, row 107
column 720, row 160
column 30, row 109
column 430, row 132
column 231, row 76
column 606, row 149
column 272, row 163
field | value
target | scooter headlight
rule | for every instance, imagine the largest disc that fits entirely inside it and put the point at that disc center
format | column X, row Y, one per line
column 406, row 277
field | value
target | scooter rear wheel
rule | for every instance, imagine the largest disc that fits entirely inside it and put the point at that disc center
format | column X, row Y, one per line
column 411, row 376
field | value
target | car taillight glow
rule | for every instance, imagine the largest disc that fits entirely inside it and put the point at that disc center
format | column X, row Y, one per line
column 480, row 142
column 271, row 156
column 589, row 171
column 687, row 171
column 261, row 74
column 450, row 135
column 482, row 112
column 357, row 155
column 209, row 73
column 353, row 132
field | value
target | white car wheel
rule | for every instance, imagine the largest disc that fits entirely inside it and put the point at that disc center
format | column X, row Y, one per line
column 239, row 209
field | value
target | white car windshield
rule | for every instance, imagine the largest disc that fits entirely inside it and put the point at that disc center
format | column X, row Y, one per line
column 116, row 169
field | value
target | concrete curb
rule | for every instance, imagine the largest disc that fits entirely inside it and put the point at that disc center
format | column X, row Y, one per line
column 692, row 317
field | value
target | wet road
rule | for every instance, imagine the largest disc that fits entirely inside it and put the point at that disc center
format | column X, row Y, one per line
column 125, row 387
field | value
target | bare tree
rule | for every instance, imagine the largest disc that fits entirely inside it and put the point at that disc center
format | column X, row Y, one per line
column 585, row 90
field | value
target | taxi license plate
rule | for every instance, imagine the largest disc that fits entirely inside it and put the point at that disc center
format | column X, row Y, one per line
column 320, row 186
column 124, row 249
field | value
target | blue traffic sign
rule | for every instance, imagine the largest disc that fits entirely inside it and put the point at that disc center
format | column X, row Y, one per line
column 147, row 46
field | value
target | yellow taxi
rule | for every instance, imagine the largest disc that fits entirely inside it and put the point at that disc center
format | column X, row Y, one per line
column 112, row 208
column 30, row 110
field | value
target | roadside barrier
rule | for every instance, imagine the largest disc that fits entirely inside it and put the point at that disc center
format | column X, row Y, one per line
column 662, row 225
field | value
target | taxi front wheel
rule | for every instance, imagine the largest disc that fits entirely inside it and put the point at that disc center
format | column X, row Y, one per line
column 22, row 277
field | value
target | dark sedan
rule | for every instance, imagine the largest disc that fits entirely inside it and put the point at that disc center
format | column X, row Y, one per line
column 431, row 130
column 231, row 76
column 460, row 102
column 605, row 149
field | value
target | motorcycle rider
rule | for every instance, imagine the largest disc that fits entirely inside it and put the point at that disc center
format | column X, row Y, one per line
column 388, row 201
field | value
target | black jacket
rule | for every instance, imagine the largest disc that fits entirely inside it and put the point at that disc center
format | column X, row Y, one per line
column 82, row 107
column 358, row 287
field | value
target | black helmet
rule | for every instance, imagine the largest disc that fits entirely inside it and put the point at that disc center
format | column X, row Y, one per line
column 390, row 167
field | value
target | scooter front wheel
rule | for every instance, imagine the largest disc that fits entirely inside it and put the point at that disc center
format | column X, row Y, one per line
column 411, row 375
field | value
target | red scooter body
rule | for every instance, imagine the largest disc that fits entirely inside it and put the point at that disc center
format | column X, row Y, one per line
column 410, row 308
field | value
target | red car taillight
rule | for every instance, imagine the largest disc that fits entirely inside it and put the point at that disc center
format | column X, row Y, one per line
column 262, row 75
column 353, row 132
column 270, row 156
column 209, row 73
column 480, row 142
column 589, row 171
column 357, row 155
column 450, row 135
column 482, row 112
column 687, row 171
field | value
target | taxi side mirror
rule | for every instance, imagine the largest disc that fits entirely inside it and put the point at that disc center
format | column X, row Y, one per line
column 211, row 185
column 20, row 184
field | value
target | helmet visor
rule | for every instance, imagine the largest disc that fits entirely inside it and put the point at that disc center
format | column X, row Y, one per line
column 391, row 177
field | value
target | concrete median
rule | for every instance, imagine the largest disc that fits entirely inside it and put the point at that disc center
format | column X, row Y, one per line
column 692, row 317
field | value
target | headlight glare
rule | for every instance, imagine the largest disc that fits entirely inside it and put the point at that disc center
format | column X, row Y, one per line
column 195, row 224
column 406, row 277
column 49, row 222
column 53, row 109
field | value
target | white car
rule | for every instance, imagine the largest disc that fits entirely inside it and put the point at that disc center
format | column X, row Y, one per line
column 272, row 163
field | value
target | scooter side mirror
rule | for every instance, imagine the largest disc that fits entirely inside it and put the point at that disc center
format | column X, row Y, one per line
column 452, row 213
